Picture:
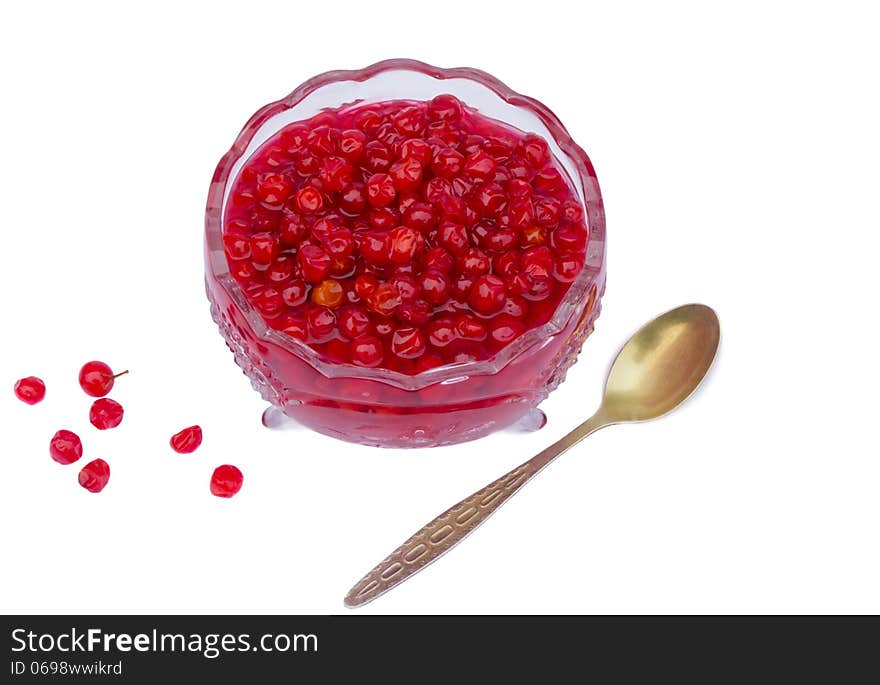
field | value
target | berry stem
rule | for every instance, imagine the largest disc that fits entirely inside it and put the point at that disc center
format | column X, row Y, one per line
column 121, row 373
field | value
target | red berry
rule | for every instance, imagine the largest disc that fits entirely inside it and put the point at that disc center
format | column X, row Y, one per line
column 367, row 351
column 547, row 211
column 406, row 174
column 314, row 263
column 273, row 189
column 353, row 322
column 105, row 413
column 364, row 285
column 409, row 121
column 322, row 140
column 328, row 293
column 351, row 144
column 293, row 325
column 380, row 190
column 321, row 323
column 453, row 236
column 534, row 149
column 490, row 199
column 417, row 148
column 377, row 157
column 407, row 286
column 268, row 301
column 309, row 200
column 488, row 294
column 474, row 262
column 295, row 293
column 470, row 328
column 415, row 313
column 264, row 248
column 226, row 481
column 292, row 230
column 353, row 199
column 95, row 475
column 30, row 390
column 435, row 286
column 444, row 107
column 336, row 173
column 569, row 238
column 437, row 259
column 447, row 163
column 187, row 440
column 384, row 299
column 504, row 329
column 441, row 332
column 405, row 243
column 480, row 165
column 420, row 216
column 65, row 447
column 567, row 267
column 374, row 246
column 236, row 246
column 97, row 379
column 408, row 343
column 280, row 270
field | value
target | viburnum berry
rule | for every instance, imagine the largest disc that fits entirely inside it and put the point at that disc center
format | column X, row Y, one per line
column 95, row 475
column 105, row 413
column 65, row 447
column 314, row 263
column 187, row 440
column 226, row 481
column 488, row 294
column 30, row 390
column 367, row 350
column 408, row 343
column 97, row 379
column 328, row 293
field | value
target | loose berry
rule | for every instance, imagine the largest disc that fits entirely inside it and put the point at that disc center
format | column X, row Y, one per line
column 95, row 475
column 187, row 440
column 65, row 447
column 97, row 379
column 30, row 390
column 105, row 413
column 226, row 481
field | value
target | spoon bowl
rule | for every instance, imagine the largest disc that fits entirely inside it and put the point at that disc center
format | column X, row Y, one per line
column 661, row 364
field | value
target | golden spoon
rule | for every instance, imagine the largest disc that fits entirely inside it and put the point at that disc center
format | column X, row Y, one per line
column 653, row 373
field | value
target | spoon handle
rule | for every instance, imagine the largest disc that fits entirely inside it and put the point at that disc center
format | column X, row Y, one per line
column 456, row 523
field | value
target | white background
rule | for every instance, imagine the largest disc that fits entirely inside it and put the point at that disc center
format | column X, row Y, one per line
column 737, row 151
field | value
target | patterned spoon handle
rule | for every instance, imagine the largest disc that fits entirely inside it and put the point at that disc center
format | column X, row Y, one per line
column 453, row 525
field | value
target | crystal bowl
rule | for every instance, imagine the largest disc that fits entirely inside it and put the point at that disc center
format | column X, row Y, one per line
column 379, row 407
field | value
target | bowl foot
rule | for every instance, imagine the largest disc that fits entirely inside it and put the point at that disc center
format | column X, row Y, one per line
column 529, row 423
column 275, row 419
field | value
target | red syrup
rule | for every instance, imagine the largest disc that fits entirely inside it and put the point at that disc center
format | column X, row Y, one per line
column 404, row 235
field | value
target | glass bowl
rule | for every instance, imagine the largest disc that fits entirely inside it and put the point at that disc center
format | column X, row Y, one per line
column 444, row 405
